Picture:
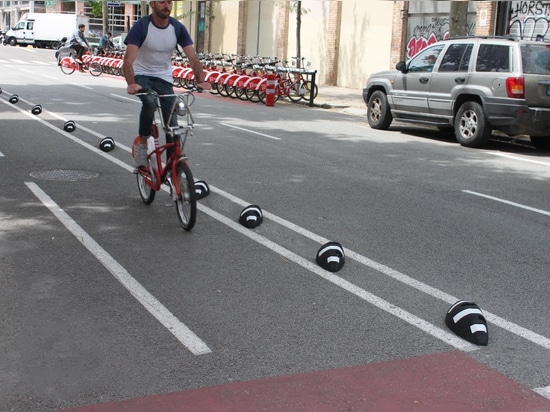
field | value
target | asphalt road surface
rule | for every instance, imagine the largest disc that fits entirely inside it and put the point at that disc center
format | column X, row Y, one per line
column 106, row 304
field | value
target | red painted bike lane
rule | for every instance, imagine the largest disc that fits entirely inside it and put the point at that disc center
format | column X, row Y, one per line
column 443, row 382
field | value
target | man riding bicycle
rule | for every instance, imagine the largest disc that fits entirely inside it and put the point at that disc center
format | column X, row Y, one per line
column 79, row 43
column 148, row 65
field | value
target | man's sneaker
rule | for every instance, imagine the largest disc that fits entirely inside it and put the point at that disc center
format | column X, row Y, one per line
column 140, row 155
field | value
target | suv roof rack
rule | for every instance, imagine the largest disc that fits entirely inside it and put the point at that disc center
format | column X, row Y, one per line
column 507, row 37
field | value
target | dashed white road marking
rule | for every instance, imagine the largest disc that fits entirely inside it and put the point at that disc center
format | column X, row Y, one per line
column 153, row 306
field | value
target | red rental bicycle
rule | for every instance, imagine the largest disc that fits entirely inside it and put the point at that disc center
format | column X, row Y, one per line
column 69, row 65
column 176, row 173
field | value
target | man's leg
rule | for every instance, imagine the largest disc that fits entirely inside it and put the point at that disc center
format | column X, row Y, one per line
column 163, row 87
column 146, row 117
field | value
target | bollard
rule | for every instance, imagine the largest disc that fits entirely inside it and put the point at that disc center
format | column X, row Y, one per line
column 270, row 90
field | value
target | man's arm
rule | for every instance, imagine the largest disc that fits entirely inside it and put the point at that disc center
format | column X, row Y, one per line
column 82, row 40
column 128, row 68
column 196, row 65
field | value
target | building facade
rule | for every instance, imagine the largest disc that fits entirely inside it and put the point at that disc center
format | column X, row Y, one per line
column 344, row 41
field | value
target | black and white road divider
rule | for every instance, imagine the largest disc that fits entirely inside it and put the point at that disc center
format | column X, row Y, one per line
column 467, row 321
column 251, row 216
column 331, row 256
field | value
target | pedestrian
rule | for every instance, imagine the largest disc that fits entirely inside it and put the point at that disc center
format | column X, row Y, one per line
column 148, row 65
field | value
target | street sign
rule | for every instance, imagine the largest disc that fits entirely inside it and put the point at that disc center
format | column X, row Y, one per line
column 113, row 4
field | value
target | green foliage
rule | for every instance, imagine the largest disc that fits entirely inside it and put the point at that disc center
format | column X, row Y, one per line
column 97, row 8
column 292, row 6
column 208, row 13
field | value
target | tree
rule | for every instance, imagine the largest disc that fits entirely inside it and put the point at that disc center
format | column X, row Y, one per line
column 296, row 7
column 458, row 25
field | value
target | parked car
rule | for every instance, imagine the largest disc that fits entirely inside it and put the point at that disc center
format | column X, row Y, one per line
column 471, row 85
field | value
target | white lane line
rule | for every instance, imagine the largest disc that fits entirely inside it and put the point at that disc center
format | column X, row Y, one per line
column 251, row 131
column 1, row 154
column 153, row 306
column 82, row 85
column 69, row 136
column 135, row 99
column 538, row 162
column 374, row 300
column 427, row 327
column 545, row 391
column 507, row 202
column 394, row 274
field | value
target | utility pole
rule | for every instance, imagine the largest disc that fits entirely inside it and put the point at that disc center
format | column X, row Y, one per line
column 458, row 23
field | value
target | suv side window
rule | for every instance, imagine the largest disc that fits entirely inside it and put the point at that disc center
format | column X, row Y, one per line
column 456, row 58
column 425, row 60
column 493, row 58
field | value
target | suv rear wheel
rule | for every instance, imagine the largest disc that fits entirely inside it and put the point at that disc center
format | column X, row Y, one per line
column 378, row 111
column 471, row 127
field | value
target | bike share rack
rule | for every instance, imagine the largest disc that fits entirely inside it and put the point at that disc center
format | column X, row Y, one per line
column 183, row 75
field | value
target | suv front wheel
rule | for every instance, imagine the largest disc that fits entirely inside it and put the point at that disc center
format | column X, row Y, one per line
column 471, row 127
column 378, row 111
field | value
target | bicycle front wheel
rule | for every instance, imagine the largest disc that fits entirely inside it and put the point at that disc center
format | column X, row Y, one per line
column 145, row 191
column 95, row 69
column 186, row 203
column 66, row 66
column 296, row 91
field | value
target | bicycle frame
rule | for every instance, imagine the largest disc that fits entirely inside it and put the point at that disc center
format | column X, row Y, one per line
column 176, row 173
column 179, row 134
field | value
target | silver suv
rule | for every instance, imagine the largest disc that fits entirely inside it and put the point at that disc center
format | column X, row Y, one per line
column 474, row 85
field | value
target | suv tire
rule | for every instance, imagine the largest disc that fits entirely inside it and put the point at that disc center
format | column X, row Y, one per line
column 541, row 142
column 378, row 111
column 471, row 127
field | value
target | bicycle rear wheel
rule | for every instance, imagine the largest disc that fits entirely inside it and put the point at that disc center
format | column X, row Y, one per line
column 95, row 69
column 145, row 191
column 186, row 204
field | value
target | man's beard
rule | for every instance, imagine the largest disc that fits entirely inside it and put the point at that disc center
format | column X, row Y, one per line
column 163, row 13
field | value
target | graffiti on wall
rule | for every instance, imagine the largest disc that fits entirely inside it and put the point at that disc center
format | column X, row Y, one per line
column 529, row 19
column 424, row 35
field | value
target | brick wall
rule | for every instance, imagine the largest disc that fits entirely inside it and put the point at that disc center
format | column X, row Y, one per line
column 399, row 31
column 486, row 18
column 282, row 31
column 333, row 41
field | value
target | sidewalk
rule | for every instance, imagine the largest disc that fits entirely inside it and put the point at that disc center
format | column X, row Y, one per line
column 344, row 99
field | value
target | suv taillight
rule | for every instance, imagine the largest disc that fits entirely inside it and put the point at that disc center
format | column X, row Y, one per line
column 515, row 87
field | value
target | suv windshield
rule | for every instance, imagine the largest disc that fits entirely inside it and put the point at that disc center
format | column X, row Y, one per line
column 535, row 59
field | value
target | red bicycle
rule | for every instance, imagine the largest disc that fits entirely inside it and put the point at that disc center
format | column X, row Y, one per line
column 176, row 173
column 69, row 65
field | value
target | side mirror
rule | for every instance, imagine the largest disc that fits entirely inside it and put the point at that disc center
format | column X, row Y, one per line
column 402, row 67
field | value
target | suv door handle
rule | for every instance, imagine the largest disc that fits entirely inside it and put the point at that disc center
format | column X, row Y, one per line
column 423, row 80
column 460, row 80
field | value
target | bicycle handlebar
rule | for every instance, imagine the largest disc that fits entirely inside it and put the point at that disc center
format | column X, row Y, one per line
column 143, row 92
